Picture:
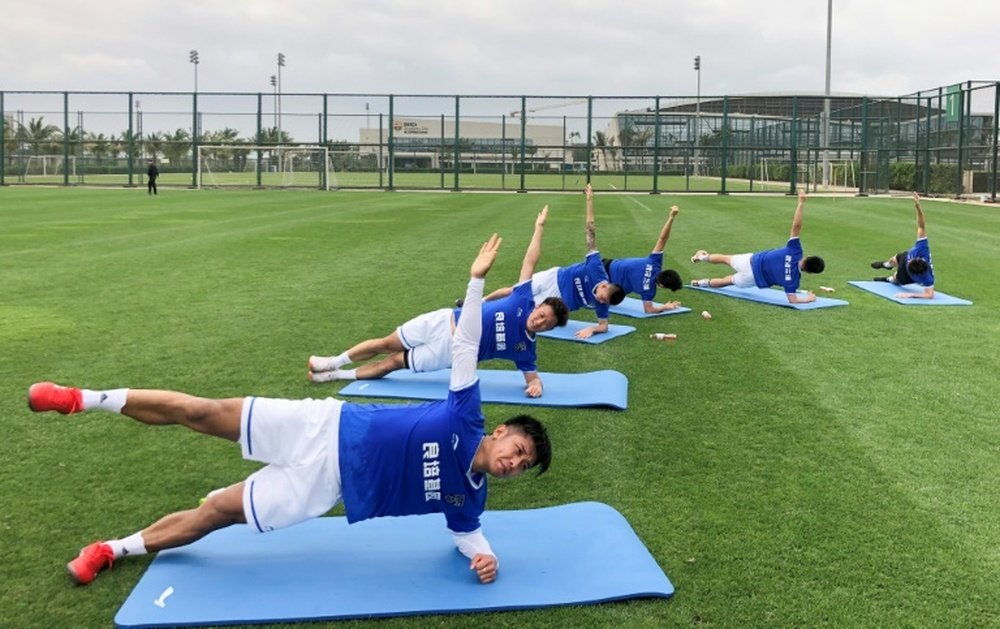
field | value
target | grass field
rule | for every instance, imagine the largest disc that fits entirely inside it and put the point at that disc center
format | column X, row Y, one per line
column 834, row 467
column 430, row 181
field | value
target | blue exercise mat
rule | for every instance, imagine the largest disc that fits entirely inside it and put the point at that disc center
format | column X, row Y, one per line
column 568, row 332
column 889, row 291
column 771, row 296
column 632, row 307
column 323, row 569
column 592, row 388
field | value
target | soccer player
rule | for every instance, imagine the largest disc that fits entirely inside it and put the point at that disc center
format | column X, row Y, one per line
column 913, row 266
column 643, row 275
column 772, row 267
column 581, row 285
column 424, row 343
column 379, row 459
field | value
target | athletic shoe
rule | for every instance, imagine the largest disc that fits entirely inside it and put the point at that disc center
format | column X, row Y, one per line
column 880, row 279
column 459, row 302
column 48, row 396
column 877, row 265
column 92, row 559
column 696, row 257
column 323, row 376
column 321, row 363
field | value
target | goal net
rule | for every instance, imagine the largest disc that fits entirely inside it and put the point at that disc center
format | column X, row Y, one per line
column 243, row 165
column 47, row 168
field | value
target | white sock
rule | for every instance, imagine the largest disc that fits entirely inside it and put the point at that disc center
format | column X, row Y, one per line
column 112, row 400
column 703, row 257
column 704, row 283
column 340, row 360
column 131, row 545
column 886, row 265
column 346, row 374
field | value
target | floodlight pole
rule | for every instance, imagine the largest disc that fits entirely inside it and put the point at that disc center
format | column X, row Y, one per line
column 274, row 86
column 697, row 113
column 826, row 101
column 281, row 64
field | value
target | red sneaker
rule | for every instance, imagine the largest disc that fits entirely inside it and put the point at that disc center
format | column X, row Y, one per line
column 94, row 558
column 48, row 396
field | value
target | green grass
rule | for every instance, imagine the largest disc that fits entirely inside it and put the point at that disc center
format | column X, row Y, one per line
column 431, row 181
column 835, row 467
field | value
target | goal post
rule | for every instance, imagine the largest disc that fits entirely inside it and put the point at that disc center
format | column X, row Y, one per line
column 253, row 165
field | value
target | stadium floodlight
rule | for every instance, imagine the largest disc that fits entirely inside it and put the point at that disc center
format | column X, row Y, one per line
column 193, row 58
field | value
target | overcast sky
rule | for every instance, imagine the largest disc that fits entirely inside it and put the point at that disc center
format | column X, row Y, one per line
column 570, row 47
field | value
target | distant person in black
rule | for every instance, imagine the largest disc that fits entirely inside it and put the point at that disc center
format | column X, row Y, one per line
column 151, row 174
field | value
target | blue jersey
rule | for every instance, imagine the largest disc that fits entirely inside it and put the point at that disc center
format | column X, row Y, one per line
column 921, row 250
column 637, row 275
column 413, row 459
column 778, row 267
column 577, row 284
column 505, row 329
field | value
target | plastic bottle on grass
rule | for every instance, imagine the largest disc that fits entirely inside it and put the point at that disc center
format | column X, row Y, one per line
column 662, row 336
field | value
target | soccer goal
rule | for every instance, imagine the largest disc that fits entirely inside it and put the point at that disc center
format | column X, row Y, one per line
column 45, row 168
column 236, row 165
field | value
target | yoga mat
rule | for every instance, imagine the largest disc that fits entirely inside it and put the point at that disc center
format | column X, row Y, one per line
column 593, row 388
column 889, row 291
column 324, row 569
column 632, row 307
column 568, row 332
column 771, row 296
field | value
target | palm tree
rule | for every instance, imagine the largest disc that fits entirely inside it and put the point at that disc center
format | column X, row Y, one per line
column 602, row 143
column 176, row 145
column 154, row 144
column 10, row 143
column 40, row 136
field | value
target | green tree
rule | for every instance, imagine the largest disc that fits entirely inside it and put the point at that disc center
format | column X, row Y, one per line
column 176, row 145
column 41, row 138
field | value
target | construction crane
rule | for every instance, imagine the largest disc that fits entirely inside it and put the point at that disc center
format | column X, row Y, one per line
column 569, row 103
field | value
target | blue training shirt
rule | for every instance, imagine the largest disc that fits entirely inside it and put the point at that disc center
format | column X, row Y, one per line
column 577, row 283
column 637, row 275
column 414, row 458
column 505, row 328
column 778, row 267
column 921, row 249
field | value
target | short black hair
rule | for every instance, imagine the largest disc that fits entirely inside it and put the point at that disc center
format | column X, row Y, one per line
column 534, row 430
column 917, row 266
column 670, row 279
column 559, row 308
column 617, row 295
column 813, row 264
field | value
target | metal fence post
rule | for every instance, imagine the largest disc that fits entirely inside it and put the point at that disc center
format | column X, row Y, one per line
column 391, row 167
column 260, row 134
column 656, row 146
column 3, row 145
column 524, row 125
column 458, row 145
column 65, row 138
column 863, row 188
column 590, row 136
column 961, row 140
column 996, row 135
column 793, row 141
column 194, row 140
column 725, row 142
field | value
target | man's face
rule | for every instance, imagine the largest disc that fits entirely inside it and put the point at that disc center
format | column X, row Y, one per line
column 541, row 319
column 603, row 293
column 513, row 452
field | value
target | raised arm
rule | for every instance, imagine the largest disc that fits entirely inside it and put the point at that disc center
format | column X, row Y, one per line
column 797, row 218
column 534, row 251
column 661, row 242
column 921, row 226
column 590, row 228
column 465, row 342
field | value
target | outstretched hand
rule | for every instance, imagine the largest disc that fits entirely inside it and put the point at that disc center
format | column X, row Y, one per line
column 544, row 214
column 802, row 195
column 487, row 255
column 588, row 190
column 674, row 211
